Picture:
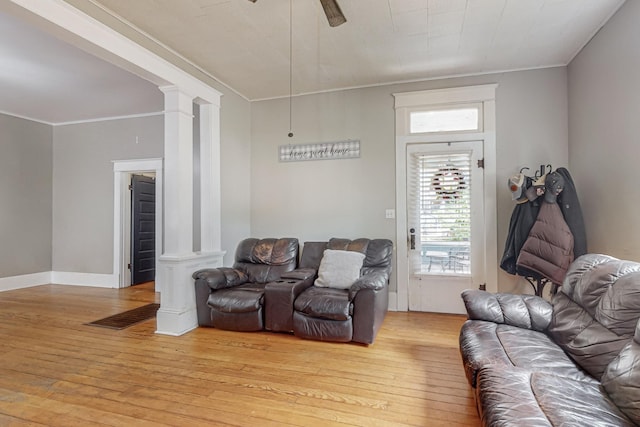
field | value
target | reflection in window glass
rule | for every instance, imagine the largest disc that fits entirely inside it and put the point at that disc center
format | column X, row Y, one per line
column 459, row 119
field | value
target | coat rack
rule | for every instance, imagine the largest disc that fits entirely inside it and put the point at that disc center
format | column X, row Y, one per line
column 541, row 172
column 538, row 283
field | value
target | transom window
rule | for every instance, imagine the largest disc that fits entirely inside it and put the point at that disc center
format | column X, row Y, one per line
column 465, row 118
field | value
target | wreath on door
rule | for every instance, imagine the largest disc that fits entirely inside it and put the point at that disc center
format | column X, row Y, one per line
column 448, row 183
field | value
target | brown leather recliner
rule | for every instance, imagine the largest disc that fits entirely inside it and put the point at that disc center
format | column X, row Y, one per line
column 353, row 314
column 233, row 298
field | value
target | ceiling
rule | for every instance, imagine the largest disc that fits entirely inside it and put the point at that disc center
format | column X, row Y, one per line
column 245, row 46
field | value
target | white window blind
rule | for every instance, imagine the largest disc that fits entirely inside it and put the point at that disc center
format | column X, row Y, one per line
column 444, row 198
column 440, row 193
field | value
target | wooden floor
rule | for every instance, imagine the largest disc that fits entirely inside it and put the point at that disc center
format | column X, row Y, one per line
column 57, row 371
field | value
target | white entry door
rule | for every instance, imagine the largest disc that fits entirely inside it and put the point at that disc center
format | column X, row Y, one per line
column 445, row 218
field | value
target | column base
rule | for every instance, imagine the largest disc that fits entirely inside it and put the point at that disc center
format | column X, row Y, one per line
column 177, row 313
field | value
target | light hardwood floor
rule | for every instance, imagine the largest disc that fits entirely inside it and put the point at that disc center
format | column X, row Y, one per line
column 56, row 371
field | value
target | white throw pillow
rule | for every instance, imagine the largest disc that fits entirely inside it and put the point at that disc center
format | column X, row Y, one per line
column 339, row 269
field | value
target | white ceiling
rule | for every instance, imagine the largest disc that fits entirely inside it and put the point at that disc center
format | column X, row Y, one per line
column 245, row 46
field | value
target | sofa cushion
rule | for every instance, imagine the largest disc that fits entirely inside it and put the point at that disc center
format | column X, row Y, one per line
column 596, row 310
column 325, row 303
column 265, row 260
column 519, row 397
column 621, row 379
column 339, row 269
column 241, row 299
column 485, row 343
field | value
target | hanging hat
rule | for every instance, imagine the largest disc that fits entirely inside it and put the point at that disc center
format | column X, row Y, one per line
column 539, row 182
column 516, row 184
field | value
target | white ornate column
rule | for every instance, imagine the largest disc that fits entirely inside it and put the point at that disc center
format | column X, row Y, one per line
column 210, row 227
column 177, row 314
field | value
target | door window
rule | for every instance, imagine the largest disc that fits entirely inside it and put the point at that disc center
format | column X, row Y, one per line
column 443, row 207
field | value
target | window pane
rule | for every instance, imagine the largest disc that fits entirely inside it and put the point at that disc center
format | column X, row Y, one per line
column 445, row 212
column 459, row 119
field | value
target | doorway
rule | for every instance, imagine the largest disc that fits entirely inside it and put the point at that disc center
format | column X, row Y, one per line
column 445, row 216
column 457, row 115
column 123, row 170
column 143, row 233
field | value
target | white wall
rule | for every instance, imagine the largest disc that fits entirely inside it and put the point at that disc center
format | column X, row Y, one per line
column 316, row 200
column 604, row 128
column 25, row 197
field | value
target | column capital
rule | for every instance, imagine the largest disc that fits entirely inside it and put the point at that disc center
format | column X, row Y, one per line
column 177, row 100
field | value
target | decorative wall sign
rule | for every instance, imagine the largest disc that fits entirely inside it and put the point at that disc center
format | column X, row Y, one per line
column 321, row 151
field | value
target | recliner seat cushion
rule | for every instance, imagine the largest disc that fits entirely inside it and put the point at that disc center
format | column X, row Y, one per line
column 533, row 398
column 483, row 343
column 241, row 299
column 325, row 303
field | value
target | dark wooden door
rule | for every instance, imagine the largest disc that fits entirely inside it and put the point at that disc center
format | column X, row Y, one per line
column 143, row 229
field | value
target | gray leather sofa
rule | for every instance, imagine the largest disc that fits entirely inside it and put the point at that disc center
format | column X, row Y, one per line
column 574, row 361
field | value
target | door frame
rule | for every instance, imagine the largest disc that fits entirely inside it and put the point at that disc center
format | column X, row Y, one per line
column 484, row 94
column 123, row 169
column 435, row 291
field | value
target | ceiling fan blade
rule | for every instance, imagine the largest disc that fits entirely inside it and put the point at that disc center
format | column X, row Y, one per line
column 333, row 12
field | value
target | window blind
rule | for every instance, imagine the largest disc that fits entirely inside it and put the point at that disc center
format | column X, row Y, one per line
column 444, row 190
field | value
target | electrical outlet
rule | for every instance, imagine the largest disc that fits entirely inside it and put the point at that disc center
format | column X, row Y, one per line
column 390, row 213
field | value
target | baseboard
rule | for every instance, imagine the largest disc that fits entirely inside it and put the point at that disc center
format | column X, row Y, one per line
column 24, row 281
column 84, row 279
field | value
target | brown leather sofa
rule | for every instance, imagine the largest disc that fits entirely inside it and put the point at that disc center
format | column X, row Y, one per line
column 265, row 291
column 352, row 314
column 234, row 298
column 572, row 362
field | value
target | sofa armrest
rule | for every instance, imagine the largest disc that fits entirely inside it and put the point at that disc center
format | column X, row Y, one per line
column 279, row 297
column 220, row 278
column 374, row 280
column 524, row 311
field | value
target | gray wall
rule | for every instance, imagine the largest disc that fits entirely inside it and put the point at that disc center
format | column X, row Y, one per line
column 25, row 197
column 235, row 152
column 83, row 182
column 316, row 200
column 604, row 128
column 262, row 197
column 83, row 186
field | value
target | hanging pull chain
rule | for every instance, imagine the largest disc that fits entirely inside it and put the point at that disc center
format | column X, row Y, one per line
column 290, row 67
